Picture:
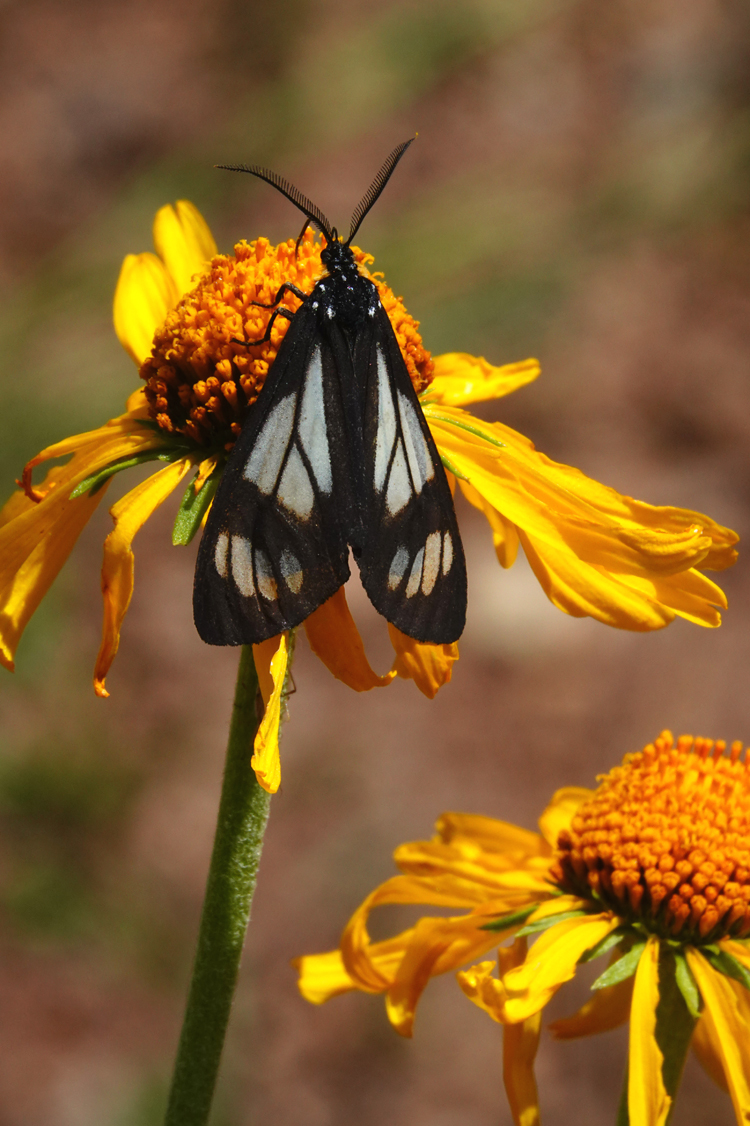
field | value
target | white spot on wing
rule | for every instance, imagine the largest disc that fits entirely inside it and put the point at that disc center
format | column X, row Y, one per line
column 220, row 553
column 420, row 462
column 431, row 562
column 399, row 485
column 242, row 566
column 266, row 581
column 415, row 575
column 312, row 424
column 267, row 454
column 386, row 432
column 398, row 567
column 447, row 552
column 295, row 490
column 291, row 570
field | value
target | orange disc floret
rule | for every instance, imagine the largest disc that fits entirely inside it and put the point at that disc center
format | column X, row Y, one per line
column 665, row 840
column 200, row 382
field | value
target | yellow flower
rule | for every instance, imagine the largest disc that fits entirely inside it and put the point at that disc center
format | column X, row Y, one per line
column 653, row 868
column 177, row 314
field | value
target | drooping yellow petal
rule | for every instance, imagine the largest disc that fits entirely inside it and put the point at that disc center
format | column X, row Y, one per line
column 707, row 1048
column 335, row 639
column 648, row 1101
column 559, row 905
column 129, row 515
column 429, row 666
column 271, row 675
column 184, row 242
column 480, row 985
column 35, row 541
column 322, row 976
column 560, row 811
column 436, row 946
column 595, row 552
column 461, row 379
column 520, row 1045
column 504, row 534
column 37, row 535
column 551, row 962
column 727, row 1017
column 144, row 295
column 608, row 1008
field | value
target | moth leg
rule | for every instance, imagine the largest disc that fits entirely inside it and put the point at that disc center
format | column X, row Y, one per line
column 263, row 339
column 282, row 290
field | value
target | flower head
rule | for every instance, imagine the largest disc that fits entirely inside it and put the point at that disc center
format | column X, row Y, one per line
column 652, row 868
column 179, row 314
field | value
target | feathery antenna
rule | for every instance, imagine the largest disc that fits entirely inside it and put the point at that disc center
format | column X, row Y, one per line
column 376, row 188
column 294, row 195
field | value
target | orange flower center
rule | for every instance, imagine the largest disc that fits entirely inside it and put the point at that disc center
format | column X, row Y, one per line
column 200, row 382
column 665, row 840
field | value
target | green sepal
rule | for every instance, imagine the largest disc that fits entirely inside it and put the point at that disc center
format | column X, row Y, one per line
column 687, row 984
column 467, row 427
column 614, row 938
column 514, row 919
column 94, row 483
column 550, row 921
column 674, row 1021
column 193, row 508
column 726, row 964
column 622, row 969
column 452, row 468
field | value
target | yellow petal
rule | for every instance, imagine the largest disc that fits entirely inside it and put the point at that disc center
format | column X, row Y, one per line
column 436, row 946
column 560, row 905
column 648, row 1101
column 559, row 813
column 707, row 1048
column 37, row 538
column 35, row 541
column 607, row 1009
column 271, row 675
column 595, row 552
column 504, row 534
column 144, row 295
column 322, row 976
column 481, row 986
column 520, row 1045
column 184, row 242
column 727, row 1017
column 335, row 639
column 490, row 833
column 461, row 379
column 129, row 515
column 429, row 666
column 551, row 962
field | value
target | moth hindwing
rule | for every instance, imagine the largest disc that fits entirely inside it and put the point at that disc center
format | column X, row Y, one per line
column 335, row 454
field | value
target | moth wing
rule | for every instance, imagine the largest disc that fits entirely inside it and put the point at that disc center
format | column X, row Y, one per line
column 275, row 546
column 412, row 563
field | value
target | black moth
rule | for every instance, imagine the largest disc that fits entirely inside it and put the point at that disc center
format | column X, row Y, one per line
column 336, row 453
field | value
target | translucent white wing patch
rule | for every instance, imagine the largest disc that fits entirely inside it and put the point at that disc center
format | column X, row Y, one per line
column 404, row 459
column 434, row 556
column 251, row 568
column 312, row 430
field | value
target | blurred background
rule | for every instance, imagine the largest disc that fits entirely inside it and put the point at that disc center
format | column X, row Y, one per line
column 578, row 192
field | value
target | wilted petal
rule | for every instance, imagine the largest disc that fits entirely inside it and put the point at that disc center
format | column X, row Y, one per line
column 727, row 1016
column 271, row 662
column 335, row 639
column 129, row 515
column 429, row 666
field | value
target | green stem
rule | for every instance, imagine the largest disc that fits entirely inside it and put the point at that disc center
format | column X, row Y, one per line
column 243, row 813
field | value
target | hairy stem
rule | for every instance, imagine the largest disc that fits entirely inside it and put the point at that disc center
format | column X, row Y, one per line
column 241, row 823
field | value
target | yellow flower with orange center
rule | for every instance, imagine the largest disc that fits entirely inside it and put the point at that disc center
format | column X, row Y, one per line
column 178, row 313
column 652, row 868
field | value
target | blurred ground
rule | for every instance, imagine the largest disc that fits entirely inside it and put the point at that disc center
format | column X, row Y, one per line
column 578, row 192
